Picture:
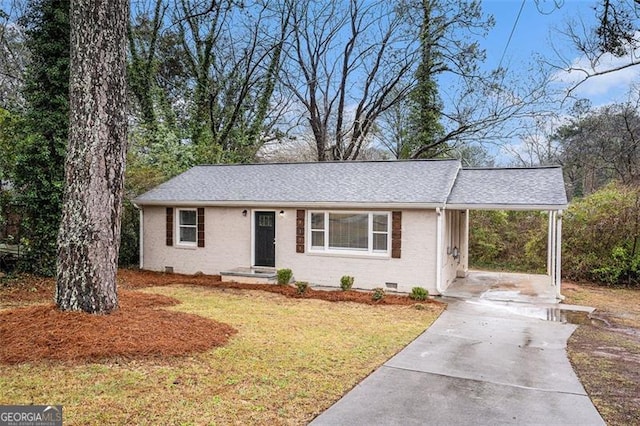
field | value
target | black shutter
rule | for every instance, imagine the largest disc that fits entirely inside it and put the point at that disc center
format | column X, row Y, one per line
column 300, row 214
column 200, row 226
column 169, row 226
column 396, row 234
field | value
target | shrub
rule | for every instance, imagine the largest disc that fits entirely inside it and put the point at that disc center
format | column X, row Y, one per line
column 378, row 294
column 302, row 286
column 346, row 282
column 619, row 268
column 418, row 293
column 600, row 236
column 511, row 240
column 284, row 276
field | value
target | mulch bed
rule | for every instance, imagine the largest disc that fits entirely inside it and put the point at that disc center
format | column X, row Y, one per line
column 24, row 289
column 138, row 279
column 139, row 329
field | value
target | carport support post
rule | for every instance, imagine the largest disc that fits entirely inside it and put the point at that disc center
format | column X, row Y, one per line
column 550, row 243
column 464, row 247
column 552, row 248
column 439, row 214
column 558, row 266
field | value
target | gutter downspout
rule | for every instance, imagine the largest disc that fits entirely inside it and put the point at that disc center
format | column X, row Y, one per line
column 439, row 250
column 141, row 239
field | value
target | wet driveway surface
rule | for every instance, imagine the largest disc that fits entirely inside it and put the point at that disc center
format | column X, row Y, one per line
column 504, row 286
column 482, row 363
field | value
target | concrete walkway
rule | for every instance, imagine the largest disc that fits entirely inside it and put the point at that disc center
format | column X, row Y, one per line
column 480, row 363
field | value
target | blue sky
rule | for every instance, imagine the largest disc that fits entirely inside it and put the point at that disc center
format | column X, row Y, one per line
column 534, row 34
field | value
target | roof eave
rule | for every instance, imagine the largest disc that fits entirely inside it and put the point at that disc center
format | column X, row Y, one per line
column 289, row 204
column 506, row 206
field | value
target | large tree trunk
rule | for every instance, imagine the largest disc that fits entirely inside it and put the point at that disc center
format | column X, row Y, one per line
column 89, row 237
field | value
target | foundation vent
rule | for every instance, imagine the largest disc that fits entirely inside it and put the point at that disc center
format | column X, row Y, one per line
column 168, row 269
column 393, row 286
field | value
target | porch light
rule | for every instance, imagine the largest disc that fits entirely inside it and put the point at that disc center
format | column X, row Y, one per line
column 456, row 253
column 244, row 212
column 281, row 213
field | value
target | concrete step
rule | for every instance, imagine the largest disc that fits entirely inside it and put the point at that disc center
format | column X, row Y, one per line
column 251, row 275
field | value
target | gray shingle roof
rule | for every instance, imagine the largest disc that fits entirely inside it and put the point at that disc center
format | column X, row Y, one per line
column 509, row 187
column 370, row 182
column 419, row 183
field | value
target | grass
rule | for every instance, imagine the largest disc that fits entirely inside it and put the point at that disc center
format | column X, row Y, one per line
column 606, row 355
column 290, row 360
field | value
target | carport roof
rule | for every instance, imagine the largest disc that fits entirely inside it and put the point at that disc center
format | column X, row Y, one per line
column 531, row 188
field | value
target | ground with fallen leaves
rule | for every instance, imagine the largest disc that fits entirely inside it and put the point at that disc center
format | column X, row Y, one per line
column 606, row 352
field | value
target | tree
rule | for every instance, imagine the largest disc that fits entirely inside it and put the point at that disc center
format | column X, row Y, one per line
column 425, row 106
column 481, row 105
column 233, row 53
column 614, row 36
column 207, row 73
column 346, row 65
column 144, row 37
column 13, row 56
column 374, row 72
column 601, row 146
column 40, row 144
column 393, row 130
column 88, row 241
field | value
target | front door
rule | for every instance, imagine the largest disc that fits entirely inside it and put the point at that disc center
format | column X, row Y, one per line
column 265, row 239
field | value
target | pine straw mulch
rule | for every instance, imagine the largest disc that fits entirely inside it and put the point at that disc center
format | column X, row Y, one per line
column 139, row 329
column 130, row 278
column 25, row 289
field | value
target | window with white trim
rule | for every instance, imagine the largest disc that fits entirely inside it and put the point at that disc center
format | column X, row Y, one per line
column 357, row 232
column 187, row 224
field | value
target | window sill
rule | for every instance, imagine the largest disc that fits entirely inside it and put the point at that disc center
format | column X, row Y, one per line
column 186, row 246
column 350, row 254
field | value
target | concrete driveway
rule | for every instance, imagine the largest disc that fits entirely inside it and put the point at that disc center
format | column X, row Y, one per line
column 481, row 363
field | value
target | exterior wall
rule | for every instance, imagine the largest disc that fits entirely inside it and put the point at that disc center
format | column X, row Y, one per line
column 228, row 245
column 227, row 242
column 454, row 223
column 416, row 266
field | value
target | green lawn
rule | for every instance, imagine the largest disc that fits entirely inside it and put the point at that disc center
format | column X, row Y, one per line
column 290, row 360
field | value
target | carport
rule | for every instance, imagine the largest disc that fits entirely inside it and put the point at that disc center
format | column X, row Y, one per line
column 518, row 189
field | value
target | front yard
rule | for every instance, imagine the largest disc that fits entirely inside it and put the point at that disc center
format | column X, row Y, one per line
column 289, row 360
column 606, row 353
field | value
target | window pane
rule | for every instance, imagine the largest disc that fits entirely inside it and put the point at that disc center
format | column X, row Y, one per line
column 317, row 220
column 265, row 221
column 187, row 234
column 380, row 222
column 349, row 230
column 187, row 217
column 380, row 242
column 317, row 239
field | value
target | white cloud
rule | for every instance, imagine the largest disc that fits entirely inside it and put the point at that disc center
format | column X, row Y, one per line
column 600, row 85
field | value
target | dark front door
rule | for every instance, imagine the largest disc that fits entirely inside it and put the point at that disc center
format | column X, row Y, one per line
column 265, row 239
